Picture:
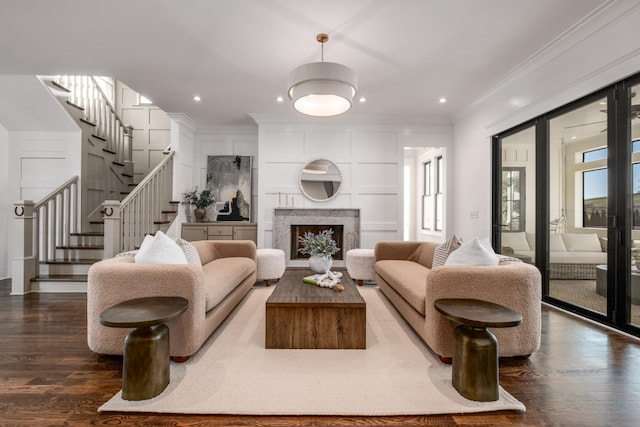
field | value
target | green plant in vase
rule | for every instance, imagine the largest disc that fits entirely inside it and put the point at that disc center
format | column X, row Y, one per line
column 201, row 202
column 320, row 247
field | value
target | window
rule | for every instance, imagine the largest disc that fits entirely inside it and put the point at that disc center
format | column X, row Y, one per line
column 594, row 198
column 513, row 201
column 439, row 193
column 427, row 198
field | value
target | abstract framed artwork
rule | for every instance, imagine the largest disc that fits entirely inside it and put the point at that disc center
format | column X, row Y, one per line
column 229, row 179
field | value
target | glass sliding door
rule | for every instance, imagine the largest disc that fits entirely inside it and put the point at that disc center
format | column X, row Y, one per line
column 578, row 221
column 631, row 301
column 515, row 222
column 578, row 206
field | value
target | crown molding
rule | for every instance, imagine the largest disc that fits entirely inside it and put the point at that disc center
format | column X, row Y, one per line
column 574, row 42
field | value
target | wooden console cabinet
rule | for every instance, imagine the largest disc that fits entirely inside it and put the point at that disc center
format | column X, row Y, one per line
column 223, row 230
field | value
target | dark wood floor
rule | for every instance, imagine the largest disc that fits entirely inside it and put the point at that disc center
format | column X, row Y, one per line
column 582, row 376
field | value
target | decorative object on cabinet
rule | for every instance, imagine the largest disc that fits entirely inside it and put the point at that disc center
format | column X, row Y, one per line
column 320, row 180
column 201, row 202
column 229, row 179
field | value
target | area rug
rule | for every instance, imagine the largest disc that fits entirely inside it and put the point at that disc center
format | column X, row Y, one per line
column 234, row 374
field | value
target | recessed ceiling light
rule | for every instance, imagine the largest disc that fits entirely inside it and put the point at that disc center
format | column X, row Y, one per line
column 442, row 100
column 362, row 99
column 279, row 99
column 573, row 137
column 603, row 103
column 197, row 98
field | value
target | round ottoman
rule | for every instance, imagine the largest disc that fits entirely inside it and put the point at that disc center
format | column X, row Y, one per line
column 360, row 265
column 270, row 264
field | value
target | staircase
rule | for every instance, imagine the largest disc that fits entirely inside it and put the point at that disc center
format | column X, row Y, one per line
column 65, row 233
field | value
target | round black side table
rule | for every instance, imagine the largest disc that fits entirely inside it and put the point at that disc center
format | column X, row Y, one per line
column 145, row 372
column 475, row 355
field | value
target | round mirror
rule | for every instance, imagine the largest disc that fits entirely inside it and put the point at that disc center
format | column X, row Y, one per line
column 320, row 180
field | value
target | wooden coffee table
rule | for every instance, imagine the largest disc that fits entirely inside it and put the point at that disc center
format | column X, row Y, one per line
column 145, row 365
column 300, row 315
column 475, row 356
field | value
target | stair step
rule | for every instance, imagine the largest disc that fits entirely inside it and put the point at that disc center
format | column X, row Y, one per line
column 60, row 267
column 89, row 234
column 60, row 278
column 59, row 86
column 170, row 212
column 118, row 164
column 75, row 106
column 128, row 176
column 59, row 283
column 87, row 121
column 102, row 138
column 174, row 202
column 91, row 247
column 69, row 262
column 161, row 222
column 97, row 222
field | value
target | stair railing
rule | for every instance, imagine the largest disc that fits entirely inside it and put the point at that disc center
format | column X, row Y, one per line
column 41, row 228
column 127, row 222
column 87, row 93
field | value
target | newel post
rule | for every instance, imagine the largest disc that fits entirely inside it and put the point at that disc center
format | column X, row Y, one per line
column 112, row 228
column 23, row 263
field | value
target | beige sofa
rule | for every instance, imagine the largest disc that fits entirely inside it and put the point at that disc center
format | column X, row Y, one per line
column 404, row 273
column 227, row 274
column 571, row 255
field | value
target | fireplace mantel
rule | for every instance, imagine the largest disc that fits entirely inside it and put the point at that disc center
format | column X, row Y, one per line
column 283, row 218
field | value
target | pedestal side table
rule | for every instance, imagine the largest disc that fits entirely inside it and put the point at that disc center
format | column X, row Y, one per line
column 145, row 365
column 475, row 355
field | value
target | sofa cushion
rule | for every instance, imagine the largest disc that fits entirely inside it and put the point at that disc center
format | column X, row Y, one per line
column 223, row 275
column 475, row 252
column 556, row 244
column 408, row 278
column 516, row 241
column 160, row 249
column 442, row 252
column 575, row 242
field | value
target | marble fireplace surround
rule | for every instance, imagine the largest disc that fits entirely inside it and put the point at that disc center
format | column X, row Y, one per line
column 283, row 218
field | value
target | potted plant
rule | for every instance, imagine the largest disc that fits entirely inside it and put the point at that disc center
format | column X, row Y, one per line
column 320, row 247
column 201, row 202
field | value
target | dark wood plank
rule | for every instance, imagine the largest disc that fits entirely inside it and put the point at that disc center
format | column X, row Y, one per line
column 584, row 375
column 300, row 315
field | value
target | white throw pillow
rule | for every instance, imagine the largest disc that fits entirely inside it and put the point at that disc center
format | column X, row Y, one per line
column 474, row 252
column 160, row 249
column 575, row 242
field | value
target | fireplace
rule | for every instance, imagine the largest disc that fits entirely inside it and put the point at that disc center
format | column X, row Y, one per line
column 285, row 218
column 298, row 230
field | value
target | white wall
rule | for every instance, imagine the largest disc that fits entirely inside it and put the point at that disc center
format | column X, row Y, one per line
column 370, row 157
column 592, row 55
column 5, row 204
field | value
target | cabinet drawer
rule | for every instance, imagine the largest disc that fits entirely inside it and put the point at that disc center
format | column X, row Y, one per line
column 221, row 231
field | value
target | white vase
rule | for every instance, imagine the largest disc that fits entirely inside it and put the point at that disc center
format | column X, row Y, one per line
column 320, row 264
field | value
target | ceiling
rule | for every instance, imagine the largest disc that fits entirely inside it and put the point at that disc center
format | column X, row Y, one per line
column 237, row 54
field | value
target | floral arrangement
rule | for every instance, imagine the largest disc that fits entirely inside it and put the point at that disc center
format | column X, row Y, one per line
column 318, row 244
column 202, row 200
